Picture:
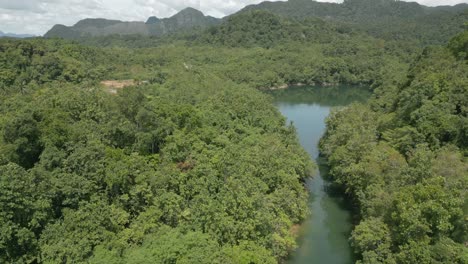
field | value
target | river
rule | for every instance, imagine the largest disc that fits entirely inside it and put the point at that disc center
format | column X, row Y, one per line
column 324, row 236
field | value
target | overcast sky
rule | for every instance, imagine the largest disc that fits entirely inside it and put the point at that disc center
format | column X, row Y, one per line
column 38, row 16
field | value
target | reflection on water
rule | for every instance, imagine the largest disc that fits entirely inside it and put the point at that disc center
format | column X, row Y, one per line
column 325, row 234
column 327, row 96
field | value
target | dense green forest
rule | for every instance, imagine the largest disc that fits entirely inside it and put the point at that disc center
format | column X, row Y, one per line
column 272, row 52
column 194, row 164
column 402, row 159
column 193, row 168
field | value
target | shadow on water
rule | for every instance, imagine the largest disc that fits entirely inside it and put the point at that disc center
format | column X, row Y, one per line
column 332, row 189
column 324, row 235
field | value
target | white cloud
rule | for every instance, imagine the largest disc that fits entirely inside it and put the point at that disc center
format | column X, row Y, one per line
column 37, row 16
column 26, row 5
column 440, row 2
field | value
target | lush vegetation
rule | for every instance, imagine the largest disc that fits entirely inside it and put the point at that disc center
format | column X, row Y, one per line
column 192, row 168
column 402, row 159
column 272, row 52
column 194, row 165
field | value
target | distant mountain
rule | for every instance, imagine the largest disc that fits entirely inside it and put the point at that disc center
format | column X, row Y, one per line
column 12, row 35
column 389, row 19
column 186, row 19
column 153, row 20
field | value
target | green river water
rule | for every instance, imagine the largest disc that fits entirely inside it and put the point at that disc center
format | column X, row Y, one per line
column 324, row 236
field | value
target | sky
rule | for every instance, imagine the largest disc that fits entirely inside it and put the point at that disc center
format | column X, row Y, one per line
column 38, row 16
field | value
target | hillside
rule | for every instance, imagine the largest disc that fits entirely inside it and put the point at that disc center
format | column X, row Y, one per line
column 388, row 19
column 186, row 19
column 265, row 29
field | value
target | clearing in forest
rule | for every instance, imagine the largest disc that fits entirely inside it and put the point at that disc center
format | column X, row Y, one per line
column 113, row 86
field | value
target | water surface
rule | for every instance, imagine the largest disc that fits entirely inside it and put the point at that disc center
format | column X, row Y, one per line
column 324, row 236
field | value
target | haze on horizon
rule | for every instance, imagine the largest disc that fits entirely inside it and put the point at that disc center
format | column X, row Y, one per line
column 38, row 16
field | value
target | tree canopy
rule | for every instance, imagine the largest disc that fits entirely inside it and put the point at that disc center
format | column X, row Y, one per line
column 191, row 163
column 402, row 159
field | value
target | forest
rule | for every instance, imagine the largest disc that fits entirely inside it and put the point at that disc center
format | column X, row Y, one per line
column 273, row 52
column 195, row 164
column 164, row 170
column 401, row 158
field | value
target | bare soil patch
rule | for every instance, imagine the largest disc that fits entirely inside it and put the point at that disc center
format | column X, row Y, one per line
column 113, row 86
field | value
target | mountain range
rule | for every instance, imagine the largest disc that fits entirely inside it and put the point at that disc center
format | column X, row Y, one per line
column 92, row 27
column 13, row 35
column 387, row 19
